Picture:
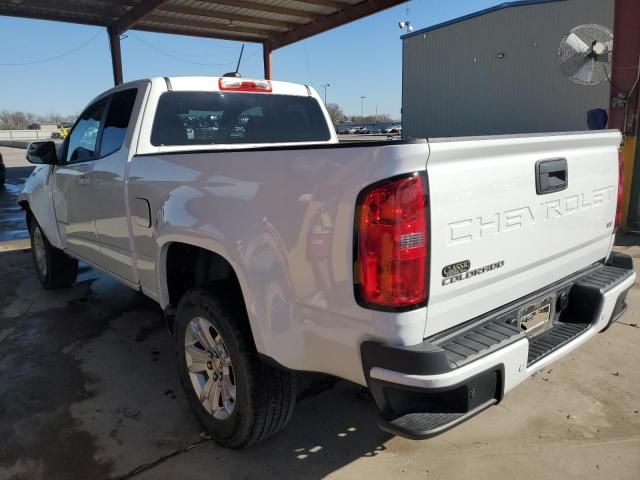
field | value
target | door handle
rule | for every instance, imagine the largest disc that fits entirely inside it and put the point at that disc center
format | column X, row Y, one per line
column 83, row 180
column 551, row 175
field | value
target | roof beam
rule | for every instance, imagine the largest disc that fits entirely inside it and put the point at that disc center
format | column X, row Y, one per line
column 263, row 7
column 137, row 13
column 326, row 3
column 327, row 22
column 170, row 21
column 184, row 31
column 56, row 16
column 208, row 13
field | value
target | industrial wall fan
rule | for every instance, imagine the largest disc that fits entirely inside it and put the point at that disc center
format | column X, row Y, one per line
column 585, row 54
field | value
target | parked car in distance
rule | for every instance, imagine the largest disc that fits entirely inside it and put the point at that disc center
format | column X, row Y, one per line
column 274, row 249
column 395, row 129
column 61, row 133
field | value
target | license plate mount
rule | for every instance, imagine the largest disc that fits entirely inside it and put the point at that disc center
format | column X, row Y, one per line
column 537, row 316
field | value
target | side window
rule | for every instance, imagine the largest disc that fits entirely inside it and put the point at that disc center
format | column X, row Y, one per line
column 84, row 137
column 117, row 121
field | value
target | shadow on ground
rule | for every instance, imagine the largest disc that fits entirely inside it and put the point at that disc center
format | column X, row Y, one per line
column 89, row 390
column 627, row 239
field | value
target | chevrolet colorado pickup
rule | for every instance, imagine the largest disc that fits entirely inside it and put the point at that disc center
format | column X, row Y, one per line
column 438, row 273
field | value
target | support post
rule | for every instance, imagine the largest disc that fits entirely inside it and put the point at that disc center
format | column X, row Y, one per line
column 116, row 57
column 266, row 59
column 624, row 72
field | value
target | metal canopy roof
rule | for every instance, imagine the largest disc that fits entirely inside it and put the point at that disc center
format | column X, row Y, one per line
column 502, row 6
column 275, row 23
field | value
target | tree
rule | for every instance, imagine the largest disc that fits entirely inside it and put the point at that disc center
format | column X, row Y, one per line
column 336, row 113
column 14, row 120
column 380, row 118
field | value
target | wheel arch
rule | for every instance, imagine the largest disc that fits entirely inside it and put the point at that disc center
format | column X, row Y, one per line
column 24, row 205
column 185, row 265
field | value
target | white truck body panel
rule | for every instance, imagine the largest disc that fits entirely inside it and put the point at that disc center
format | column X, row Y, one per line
column 259, row 210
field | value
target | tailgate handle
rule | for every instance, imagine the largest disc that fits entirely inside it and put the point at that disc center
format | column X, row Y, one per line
column 551, row 175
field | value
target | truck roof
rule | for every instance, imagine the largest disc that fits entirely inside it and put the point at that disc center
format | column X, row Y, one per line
column 201, row 83
column 211, row 83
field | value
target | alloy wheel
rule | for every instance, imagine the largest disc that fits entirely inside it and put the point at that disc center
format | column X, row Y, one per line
column 210, row 368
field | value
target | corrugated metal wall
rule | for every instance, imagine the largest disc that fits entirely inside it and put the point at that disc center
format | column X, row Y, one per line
column 454, row 84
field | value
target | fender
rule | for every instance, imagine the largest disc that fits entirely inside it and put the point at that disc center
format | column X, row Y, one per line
column 37, row 197
column 255, row 253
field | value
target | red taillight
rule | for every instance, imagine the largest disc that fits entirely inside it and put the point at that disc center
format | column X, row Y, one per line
column 620, row 190
column 391, row 265
column 243, row 85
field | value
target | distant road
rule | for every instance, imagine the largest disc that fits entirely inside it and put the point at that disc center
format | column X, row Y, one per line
column 14, row 157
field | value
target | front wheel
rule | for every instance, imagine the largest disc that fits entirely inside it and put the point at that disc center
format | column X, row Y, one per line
column 239, row 399
column 55, row 268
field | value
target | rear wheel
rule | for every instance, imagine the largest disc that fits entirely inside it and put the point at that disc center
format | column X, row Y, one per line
column 239, row 399
column 55, row 268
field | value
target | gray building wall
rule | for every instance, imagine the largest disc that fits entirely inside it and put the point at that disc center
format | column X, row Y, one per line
column 454, row 84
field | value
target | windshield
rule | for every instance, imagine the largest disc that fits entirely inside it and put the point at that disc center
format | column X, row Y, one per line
column 207, row 118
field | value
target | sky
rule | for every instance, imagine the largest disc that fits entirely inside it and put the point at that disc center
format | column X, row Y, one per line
column 363, row 58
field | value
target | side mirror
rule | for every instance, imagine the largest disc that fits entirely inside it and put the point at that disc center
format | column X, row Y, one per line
column 42, row 153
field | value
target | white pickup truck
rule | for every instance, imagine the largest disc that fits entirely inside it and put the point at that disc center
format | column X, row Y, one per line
column 440, row 274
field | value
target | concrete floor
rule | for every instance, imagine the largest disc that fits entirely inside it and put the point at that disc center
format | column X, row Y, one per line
column 88, row 390
column 14, row 157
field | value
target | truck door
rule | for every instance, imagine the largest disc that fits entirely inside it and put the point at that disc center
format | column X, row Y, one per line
column 108, row 187
column 72, row 196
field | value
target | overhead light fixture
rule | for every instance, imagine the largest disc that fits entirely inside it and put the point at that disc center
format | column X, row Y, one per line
column 406, row 25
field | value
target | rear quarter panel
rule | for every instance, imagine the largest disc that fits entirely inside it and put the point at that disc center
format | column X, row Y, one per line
column 283, row 218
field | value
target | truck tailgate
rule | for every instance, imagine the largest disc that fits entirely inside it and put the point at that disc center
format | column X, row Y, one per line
column 507, row 217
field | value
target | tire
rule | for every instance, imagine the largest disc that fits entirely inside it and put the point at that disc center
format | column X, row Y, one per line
column 55, row 268
column 253, row 400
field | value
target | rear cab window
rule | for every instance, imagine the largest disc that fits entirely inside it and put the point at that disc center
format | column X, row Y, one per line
column 224, row 118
